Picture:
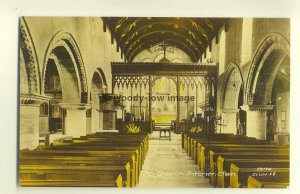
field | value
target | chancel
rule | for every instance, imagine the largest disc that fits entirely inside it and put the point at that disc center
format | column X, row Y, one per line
column 154, row 102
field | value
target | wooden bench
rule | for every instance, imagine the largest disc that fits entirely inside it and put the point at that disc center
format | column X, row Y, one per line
column 112, row 140
column 196, row 150
column 224, row 164
column 187, row 137
column 102, row 146
column 216, row 153
column 243, row 170
column 44, row 174
column 82, row 161
column 109, row 156
column 279, row 180
column 193, row 143
column 204, row 151
column 132, row 148
column 89, row 155
column 219, row 167
column 109, row 182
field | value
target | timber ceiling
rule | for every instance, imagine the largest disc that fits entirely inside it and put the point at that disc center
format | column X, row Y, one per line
column 191, row 35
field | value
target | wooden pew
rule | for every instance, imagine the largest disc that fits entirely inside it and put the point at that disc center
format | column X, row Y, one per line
column 105, row 154
column 108, row 182
column 88, row 155
column 223, row 165
column 219, row 167
column 82, row 161
column 279, row 180
column 243, row 170
column 198, row 143
column 143, row 138
column 226, row 137
column 115, row 144
column 192, row 142
column 45, row 175
column 104, row 147
column 187, row 137
column 204, row 151
column 112, row 140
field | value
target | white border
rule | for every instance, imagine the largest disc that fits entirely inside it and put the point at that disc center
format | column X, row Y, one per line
column 9, row 15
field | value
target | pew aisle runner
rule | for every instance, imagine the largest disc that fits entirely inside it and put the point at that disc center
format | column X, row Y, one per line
column 168, row 165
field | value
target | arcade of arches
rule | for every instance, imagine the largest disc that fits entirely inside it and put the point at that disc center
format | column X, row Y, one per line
column 236, row 79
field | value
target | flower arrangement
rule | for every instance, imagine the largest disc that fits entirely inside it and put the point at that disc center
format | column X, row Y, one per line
column 131, row 128
column 196, row 129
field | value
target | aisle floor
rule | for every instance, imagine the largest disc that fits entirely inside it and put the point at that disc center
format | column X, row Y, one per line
column 168, row 165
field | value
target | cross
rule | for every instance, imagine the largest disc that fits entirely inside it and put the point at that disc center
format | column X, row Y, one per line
column 164, row 46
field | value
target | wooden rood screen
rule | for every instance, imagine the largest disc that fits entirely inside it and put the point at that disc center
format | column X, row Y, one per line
column 193, row 75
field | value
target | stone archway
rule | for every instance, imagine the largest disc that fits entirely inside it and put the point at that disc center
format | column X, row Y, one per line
column 64, row 50
column 29, row 64
column 94, row 115
column 231, row 100
column 63, row 57
column 266, row 65
column 30, row 91
column 272, row 50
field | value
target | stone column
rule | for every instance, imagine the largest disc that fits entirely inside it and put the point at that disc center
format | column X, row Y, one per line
column 30, row 120
column 75, row 119
column 228, row 124
column 95, row 120
column 256, row 123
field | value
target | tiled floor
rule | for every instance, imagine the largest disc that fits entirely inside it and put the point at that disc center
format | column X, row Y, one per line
column 167, row 165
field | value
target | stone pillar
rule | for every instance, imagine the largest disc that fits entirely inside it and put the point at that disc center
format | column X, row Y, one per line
column 95, row 120
column 256, row 123
column 75, row 119
column 228, row 123
column 30, row 120
column 100, row 121
column 178, row 130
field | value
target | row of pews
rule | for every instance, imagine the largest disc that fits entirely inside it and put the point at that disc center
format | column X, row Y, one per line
column 234, row 161
column 100, row 159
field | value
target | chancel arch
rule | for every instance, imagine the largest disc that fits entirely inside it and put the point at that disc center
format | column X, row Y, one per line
column 64, row 80
column 232, row 95
column 267, row 89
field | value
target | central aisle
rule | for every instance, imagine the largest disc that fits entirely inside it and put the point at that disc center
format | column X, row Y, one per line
column 167, row 165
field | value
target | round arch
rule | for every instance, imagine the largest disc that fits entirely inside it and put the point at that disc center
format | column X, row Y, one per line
column 98, row 83
column 63, row 51
column 231, row 85
column 98, row 86
column 231, row 100
column 273, row 50
column 29, row 57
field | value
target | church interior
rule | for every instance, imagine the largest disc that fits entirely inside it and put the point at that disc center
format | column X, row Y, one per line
column 154, row 102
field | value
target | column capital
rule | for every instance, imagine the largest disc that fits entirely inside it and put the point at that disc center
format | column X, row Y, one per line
column 74, row 106
column 33, row 99
column 260, row 108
